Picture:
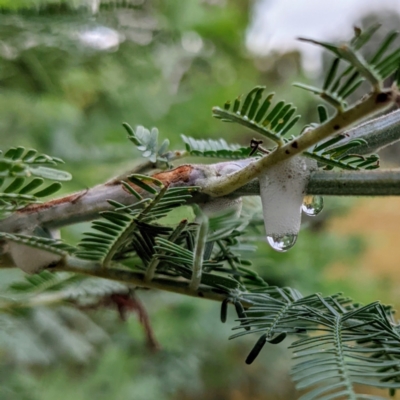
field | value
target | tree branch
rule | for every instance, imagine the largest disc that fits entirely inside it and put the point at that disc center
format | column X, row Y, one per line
column 355, row 183
column 377, row 134
column 343, row 183
column 374, row 103
column 86, row 205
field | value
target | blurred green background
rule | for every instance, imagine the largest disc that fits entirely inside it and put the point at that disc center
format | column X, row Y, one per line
column 70, row 74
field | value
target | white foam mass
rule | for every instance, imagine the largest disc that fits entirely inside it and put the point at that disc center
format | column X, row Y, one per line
column 31, row 259
column 282, row 189
column 222, row 204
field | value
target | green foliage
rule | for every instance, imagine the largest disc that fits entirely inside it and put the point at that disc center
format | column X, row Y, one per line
column 130, row 228
column 338, row 86
column 147, row 142
column 22, row 178
column 68, row 286
column 19, row 162
column 341, row 343
column 340, row 156
column 347, row 345
column 37, row 333
column 331, row 155
column 214, row 148
column 258, row 115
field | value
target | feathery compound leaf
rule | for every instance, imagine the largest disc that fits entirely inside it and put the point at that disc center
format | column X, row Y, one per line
column 331, row 98
column 390, row 63
column 127, row 228
column 214, row 148
column 271, row 312
column 341, row 357
column 43, row 282
column 258, row 116
column 16, row 194
column 67, row 285
column 110, row 235
column 349, row 53
column 24, row 163
column 22, row 172
column 93, row 287
column 146, row 142
column 177, row 258
column 353, row 345
column 341, row 82
column 341, row 156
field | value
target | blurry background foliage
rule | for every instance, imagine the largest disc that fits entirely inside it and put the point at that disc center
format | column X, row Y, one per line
column 70, row 73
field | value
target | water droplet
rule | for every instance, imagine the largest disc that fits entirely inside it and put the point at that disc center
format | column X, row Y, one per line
column 281, row 243
column 312, row 205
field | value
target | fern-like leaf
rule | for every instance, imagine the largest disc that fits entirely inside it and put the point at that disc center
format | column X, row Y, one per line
column 339, row 82
column 258, row 115
column 271, row 312
column 146, row 142
column 341, row 156
column 214, row 148
column 21, row 162
column 67, row 286
column 352, row 345
column 342, row 356
column 22, row 178
column 115, row 234
column 180, row 260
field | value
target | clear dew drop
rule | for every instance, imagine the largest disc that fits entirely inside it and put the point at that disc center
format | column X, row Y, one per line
column 281, row 243
column 312, row 205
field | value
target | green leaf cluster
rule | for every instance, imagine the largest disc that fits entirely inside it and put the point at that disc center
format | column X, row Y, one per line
column 342, row 344
column 22, row 178
column 339, row 83
column 214, row 148
column 146, row 141
column 132, row 229
column 257, row 114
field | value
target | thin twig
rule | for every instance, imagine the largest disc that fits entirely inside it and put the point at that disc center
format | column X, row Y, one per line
column 79, row 266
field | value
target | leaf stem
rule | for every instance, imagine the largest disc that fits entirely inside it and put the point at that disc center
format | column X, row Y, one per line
column 199, row 252
column 228, row 115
